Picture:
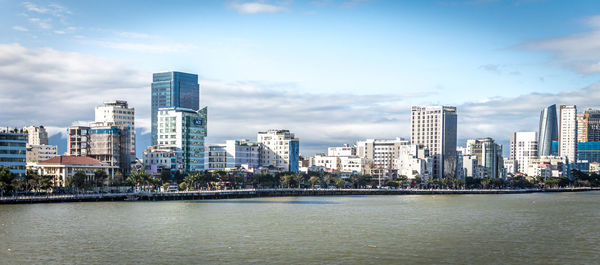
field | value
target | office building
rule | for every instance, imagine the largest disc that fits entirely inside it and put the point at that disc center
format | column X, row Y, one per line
column 36, row 135
column 548, row 131
column 567, row 133
column 588, row 151
column 117, row 113
column 13, row 150
column 588, row 125
column 489, row 156
column 173, row 89
column 280, row 149
column 435, row 128
column 184, row 129
column 379, row 155
column 523, row 147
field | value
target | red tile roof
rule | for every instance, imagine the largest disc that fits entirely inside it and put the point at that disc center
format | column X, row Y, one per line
column 72, row 160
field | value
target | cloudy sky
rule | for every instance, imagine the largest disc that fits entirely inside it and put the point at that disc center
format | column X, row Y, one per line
column 333, row 72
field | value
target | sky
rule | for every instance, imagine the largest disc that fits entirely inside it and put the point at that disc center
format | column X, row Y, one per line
column 332, row 72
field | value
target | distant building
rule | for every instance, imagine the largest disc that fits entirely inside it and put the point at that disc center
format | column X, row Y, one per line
column 489, row 156
column 279, row 149
column 184, row 129
column 379, row 155
column 117, row 113
column 13, row 150
column 548, row 130
column 38, row 153
column 63, row 167
column 345, row 150
column 589, row 151
column 523, row 147
column 435, row 127
column 567, row 133
column 78, row 141
column 233, row 154
column 511, row 166
column 408, row 162
column 588, row 125
column 111, row 145
column 156, row 159
column 548, row 166
column 36, row 135
column 172, row 89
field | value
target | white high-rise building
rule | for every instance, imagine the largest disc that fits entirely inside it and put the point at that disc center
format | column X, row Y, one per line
column 523, row 148
column 117, row 113
column 279, row 149
column 567, row 133
column 435, row 128
column 36, row 135
column 184, row 129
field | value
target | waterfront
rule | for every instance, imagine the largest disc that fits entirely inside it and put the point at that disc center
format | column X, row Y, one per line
column 533, row 228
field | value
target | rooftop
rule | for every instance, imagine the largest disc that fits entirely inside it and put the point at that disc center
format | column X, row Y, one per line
column 72, row 160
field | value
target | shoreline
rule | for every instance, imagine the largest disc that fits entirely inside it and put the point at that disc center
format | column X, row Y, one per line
column 258, row 193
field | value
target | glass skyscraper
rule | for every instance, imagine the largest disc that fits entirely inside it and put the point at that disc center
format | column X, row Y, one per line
column 173, row 89
column 13, row 151
column 548, row 130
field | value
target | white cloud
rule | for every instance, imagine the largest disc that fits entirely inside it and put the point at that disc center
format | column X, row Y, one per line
column 142, row 46
column 257, row 7
column 52, row 9
column 134, row 35
column 19, row 28
column 579, row 52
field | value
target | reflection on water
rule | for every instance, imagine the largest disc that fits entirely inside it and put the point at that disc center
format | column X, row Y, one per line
column 557, row 228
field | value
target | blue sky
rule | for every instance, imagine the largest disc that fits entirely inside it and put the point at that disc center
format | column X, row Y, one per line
column 331, row 71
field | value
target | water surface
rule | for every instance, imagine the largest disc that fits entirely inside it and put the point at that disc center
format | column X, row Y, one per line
column 538, row 228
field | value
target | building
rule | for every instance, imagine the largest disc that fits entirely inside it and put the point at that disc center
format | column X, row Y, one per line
column 38, row 153
column 13, row 150
column 548, row 166
column 64, row 167
column 379, row 155
column 156, row 159
column 523, row 147
column 279, row 149
column 117, row 113
column 77, row 141
column 589, row 151
column 567, row 133
column 325, row 162
column 548, row 131
column 511, row 166
column 111, row 145
column 408, row 162
column 351, row 164
column 36, row 135
column 184, row 129
column 345, row 150
column 233, row 154
column 435, row 128
column 173, row 89
column 588, row 125
column 489, row 156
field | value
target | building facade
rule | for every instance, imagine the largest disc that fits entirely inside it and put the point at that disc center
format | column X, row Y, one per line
column 61, row 168
column 567, row 133
column 118, row 113
column 489, row 156
column 279, row 149
column 77, row 141
column 13, row 150
column 345, row 150
column 36, row 135
column 588, row 125
column 379, row 155
column 156, row 159
column 38, row 153
column 111, row 145
column 548, row 131
column 184, row 129
column 523, row 147
column 173, row 89
column 435, row 127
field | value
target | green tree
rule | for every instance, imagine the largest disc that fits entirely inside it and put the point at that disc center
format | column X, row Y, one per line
column 78, row 180
column 486, row 182
column 314, row 180
column 165, row 186
column 6, row 179
column 165, row 175
column 340, row 183
column 100, row 177
column 183, row 186
column 288, row 180
column 360, row 180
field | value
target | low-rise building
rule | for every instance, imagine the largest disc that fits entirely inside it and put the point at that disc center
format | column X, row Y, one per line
column 555, row 167
column 157, row 159
column 63, row 167
column 38, row 153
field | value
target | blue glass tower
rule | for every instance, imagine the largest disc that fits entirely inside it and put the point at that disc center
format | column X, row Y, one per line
column 173, row 89
column 548, row 130
column 13, row 151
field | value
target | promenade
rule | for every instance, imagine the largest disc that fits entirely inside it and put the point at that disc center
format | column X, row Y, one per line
column 254, row 193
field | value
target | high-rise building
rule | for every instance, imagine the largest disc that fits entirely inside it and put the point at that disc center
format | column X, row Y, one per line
column 36, row 135
column 117, row 113
column 523, row 147
column 173, row 89
column 567, row 133
column 279, row 149
column 13, row 150
column 588, row 125
column 489, row 156
column 435, row 128
column 77, row 141
column 111, row 145
column 184, row 129
column 548, row 131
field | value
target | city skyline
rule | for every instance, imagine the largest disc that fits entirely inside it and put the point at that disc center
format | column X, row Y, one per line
column 252, row 85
